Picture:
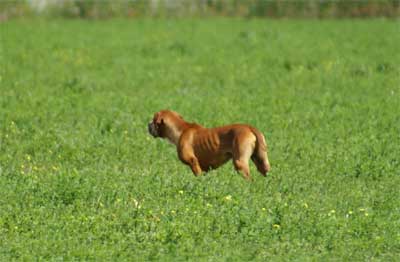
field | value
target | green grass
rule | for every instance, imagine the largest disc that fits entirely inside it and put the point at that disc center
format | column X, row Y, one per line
column 81, row 179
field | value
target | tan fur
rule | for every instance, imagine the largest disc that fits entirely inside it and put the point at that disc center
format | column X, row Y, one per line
column 208, row 148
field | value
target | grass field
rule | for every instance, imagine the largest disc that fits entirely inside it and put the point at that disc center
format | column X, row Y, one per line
column 81, row 179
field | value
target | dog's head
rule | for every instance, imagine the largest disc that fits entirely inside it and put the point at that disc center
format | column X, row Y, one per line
column 164, row 124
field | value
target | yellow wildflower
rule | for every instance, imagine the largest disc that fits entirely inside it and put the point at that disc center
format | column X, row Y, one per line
column 136, row 203
column 228, row 198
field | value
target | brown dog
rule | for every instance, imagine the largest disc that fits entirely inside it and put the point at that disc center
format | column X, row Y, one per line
column 208, row 148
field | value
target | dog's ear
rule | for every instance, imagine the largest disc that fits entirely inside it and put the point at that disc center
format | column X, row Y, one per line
column 158, row 119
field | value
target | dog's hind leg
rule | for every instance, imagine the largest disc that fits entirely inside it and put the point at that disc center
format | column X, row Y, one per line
column 259, row 156
column 243, row 147
column 261, row 164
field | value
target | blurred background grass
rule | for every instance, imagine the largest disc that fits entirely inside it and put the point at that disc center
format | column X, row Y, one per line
column 200, row 8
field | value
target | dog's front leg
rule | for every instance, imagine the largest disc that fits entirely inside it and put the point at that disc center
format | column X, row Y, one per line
column 195, row 166
column 186, row 155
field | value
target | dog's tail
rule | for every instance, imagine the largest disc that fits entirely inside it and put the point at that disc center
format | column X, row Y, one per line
column 260, row 157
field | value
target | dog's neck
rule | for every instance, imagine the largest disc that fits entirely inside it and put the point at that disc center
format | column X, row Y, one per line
column 173, row 135
column 175, row 131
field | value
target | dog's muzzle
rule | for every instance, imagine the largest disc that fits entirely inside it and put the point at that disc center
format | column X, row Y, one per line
column 152, row 130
